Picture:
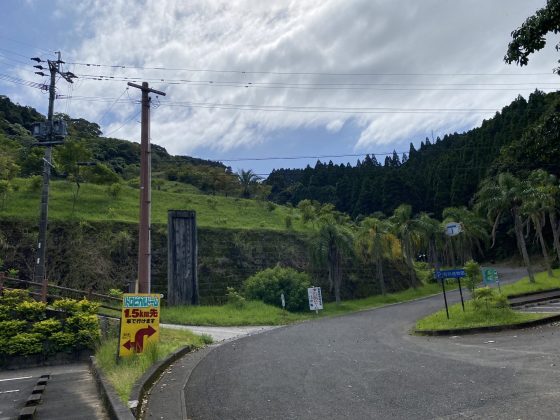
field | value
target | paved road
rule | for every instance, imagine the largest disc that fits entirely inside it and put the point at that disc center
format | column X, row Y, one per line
column 368, row 366
column 70, row 393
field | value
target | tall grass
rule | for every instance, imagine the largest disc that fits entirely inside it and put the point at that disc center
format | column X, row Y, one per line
column 123, row 373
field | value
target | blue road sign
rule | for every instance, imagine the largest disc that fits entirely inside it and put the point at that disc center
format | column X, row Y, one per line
column 450, row 274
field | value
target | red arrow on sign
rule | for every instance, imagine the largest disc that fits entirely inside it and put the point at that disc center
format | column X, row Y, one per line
column 138, row 342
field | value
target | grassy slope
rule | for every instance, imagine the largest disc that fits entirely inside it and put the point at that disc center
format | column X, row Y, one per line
column 94, row 204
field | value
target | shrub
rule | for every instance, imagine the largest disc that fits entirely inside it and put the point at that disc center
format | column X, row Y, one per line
column 270, row 206
column 87, row 306
column 114, row 190
column 47, row 327
column 235, row 299
column 66, row 305
column 11, row 298
column 486, row 298
column 115, row 293
column 10, row 328
column 5, row 313
column 62, row 341
column 31, row 310
column 269, row 284
column 24, row 344
column 35, row 183
column 288, row 222
column 474, row 276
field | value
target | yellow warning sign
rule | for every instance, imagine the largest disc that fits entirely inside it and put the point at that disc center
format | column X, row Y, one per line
column 139, row 322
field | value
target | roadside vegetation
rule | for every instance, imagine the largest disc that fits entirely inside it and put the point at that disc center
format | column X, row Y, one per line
column 489, row 306
column 124, row 372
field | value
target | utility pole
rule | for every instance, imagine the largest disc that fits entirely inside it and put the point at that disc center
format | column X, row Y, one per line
column 144, row 241
column 50, row 133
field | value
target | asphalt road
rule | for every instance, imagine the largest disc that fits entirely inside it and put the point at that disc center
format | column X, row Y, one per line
column 367, row 366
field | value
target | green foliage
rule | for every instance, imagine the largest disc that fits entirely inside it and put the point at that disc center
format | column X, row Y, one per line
column 88, row 306
column 47, row 327
column 35, row 183
column 11, row 298
column 114, row 190
column 85, row 329
column 235, row 299
column 486, row 298
column 62, row 341
column 31, row 310
column 23, row 344
column 10, row 328
column 115, row 293
column 66, row 305
column 531, row 36
column 474, row 276
column 268, row 285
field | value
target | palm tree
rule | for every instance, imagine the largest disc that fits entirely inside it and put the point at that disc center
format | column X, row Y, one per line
column 535, row 205
column 549, row 191
column 407, row 231
column 333, row 240
column 431, row 234
column 247, row 179
column 375, row 241
column 498, row 196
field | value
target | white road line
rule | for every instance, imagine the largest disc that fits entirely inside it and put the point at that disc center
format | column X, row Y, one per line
column 9, row 391
column 16, row 379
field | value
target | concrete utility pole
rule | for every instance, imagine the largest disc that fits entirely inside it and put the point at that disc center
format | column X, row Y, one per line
column 144, row 244
column 48, row 134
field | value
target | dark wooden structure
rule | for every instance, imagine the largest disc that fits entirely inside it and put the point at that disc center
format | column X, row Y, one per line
column 182, row 278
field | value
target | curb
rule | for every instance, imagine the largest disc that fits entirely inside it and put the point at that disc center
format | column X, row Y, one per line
column 142, row 386
column 30, row 409
column 115, row 408
column 494, row 328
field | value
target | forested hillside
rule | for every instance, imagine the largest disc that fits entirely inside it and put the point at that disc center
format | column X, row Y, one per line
column 440, row 174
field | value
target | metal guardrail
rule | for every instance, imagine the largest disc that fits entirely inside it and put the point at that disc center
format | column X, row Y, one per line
column 54, row 291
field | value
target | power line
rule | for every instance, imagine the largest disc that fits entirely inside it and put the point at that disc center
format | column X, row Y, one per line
column 123, row 124
column 23, row 82
column 307, row 73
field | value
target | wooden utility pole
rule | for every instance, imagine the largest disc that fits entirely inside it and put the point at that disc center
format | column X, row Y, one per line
column 144, row 244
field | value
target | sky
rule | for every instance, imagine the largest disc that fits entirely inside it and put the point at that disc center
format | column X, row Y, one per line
column 275, row 81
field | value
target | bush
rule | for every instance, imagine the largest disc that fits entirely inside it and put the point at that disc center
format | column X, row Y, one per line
column 31, row 311
column 66, row 305
column 235, row 299
column 24, row 344
column 88, row 307
column 10, row 328
column 47, row 327
column 35, row 183
column 288, row 222
column 11, row 298
column 474, row 276
column 115, row 293
column 62, row 341
column 269, row 284
column 486, row 298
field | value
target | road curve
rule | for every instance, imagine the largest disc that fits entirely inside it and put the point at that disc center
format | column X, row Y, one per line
column 367, row 366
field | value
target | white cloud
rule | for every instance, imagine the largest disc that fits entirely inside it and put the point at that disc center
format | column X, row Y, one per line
column 406, row 41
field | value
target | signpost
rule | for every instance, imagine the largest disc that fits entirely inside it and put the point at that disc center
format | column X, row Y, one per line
column 489, row 276
column 453, row 229
column 315, row 299
column 139, row 322
column 441, row 275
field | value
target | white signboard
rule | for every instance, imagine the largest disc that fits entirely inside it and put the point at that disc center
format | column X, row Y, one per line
column 315, row 298
column 453, row 229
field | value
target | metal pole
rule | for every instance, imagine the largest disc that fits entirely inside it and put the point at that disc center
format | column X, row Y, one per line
column 461, row 293
column 40, row 276
column 144, row 247
column 445, row 297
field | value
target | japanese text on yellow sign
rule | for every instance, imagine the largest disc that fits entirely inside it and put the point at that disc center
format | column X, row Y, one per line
column 139, row 322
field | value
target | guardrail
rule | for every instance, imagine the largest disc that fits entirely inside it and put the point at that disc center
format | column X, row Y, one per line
column 54, row 291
